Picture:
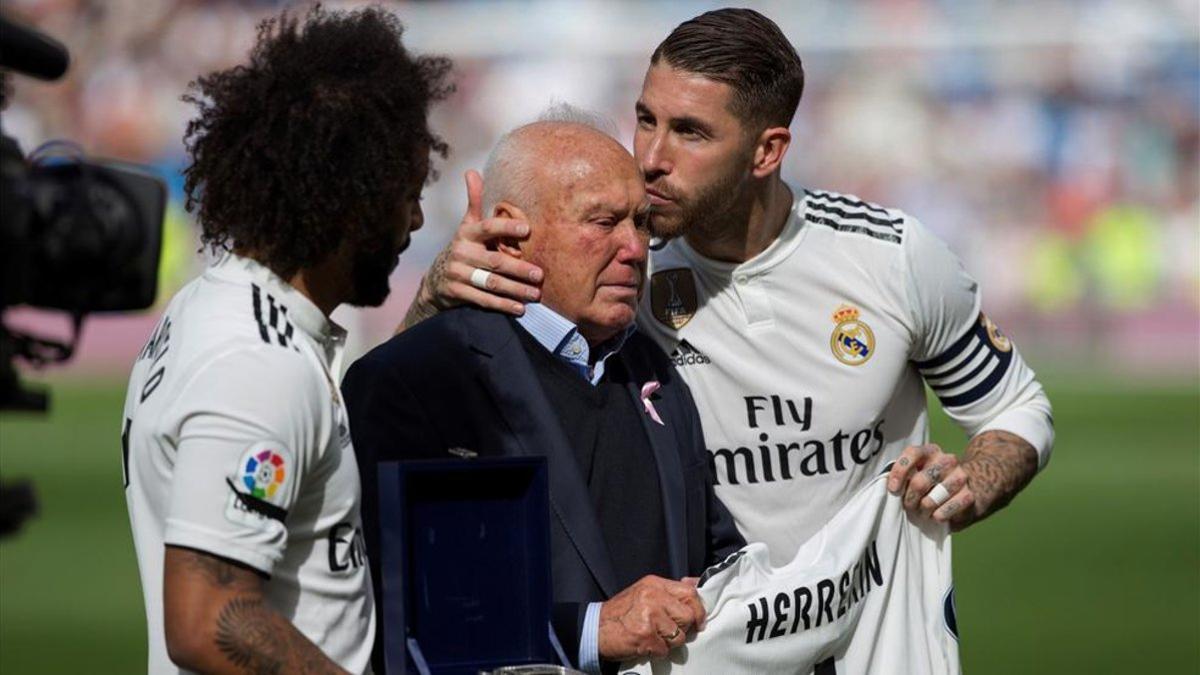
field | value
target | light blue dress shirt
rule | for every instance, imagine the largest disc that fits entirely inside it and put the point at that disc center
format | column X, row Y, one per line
column 561, row 337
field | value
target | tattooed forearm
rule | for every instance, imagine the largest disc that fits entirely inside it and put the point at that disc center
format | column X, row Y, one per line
column 215, row 571
column 999, row 465
column 245, row 637
column 424, row 305
column 417, row 312
column 256, row 639
column 217, row 620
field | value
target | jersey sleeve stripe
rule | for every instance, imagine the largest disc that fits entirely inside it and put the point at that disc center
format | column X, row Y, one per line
column 968, row 380
column 258, row 313
column 952, row 388
column 890, row 223
column 958, row 364
column 275, row 322
column 843, row 199
column 956, row 377
column 856, row 229
column 952, row 351
column 979, row 391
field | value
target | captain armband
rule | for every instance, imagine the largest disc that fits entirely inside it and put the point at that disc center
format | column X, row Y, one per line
column 972, row 367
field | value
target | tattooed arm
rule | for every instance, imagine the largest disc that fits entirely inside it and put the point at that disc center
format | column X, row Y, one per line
column 998, row 465
column 425, row 304
column 995, row 467
column 218, row 620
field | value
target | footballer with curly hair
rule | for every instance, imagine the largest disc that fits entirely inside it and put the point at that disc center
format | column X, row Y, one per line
column 307, row 165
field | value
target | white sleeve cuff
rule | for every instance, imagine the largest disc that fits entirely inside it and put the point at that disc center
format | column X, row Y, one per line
column 189, row 535
column 1035, row 426
column 589, row 640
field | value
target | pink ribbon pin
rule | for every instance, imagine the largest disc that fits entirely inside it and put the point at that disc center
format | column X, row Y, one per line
column 648, row 389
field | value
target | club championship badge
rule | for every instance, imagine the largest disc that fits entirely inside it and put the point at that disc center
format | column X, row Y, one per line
column 673, row 297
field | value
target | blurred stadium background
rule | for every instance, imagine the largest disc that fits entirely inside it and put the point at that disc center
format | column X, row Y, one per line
column 1054, row 144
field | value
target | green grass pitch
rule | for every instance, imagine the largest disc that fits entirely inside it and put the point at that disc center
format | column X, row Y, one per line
column 1094, row 569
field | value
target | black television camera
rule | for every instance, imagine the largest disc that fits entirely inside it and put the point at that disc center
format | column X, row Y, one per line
column 76, row 234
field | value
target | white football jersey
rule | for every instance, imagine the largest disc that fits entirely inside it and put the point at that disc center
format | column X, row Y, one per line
column 871, row 592
column 808, row 361
column 235, row 442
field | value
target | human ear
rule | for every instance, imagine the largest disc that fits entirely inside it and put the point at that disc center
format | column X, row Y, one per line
column 771, row 146
column 510, row 245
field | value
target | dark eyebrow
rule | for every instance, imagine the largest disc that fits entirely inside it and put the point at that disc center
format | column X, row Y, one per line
column 676, row 122
column 692, row 122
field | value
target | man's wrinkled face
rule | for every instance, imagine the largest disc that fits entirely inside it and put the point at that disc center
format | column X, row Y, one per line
column 590, row 235
column 694, row 153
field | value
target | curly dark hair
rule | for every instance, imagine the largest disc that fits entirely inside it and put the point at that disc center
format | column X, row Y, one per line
column 319, row 136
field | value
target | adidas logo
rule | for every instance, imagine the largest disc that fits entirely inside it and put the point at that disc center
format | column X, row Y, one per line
column 687, row 355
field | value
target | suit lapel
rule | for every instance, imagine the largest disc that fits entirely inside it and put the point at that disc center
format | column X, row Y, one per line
column 666, row 457
column 509, row 377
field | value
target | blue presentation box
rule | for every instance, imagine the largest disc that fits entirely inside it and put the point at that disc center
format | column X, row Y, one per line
column 465, row 565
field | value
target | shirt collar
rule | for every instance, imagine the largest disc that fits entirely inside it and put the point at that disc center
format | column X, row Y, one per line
column 303, row 312
column 559, row 336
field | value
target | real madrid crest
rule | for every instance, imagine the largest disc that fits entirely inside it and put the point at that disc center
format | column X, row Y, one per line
column 673, row 297
column 852, row 342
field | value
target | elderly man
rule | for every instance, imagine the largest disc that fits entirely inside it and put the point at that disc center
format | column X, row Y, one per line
column 570, row 380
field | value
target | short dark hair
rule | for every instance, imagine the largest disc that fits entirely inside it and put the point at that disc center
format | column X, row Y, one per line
column 748, row 52
column 316, row 138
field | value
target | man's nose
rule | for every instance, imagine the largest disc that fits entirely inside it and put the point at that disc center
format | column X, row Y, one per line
column 635, row 244
column 656, row 160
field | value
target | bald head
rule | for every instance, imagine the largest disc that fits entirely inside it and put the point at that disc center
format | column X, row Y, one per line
column 584, row 199
column 531, row 166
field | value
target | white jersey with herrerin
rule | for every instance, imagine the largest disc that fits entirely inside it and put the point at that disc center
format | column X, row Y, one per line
column 807, row 362
column 871, row 592
column 235, row 443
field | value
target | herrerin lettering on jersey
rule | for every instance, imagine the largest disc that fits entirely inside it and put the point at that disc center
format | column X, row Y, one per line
column 673, row 297
column 852, row 342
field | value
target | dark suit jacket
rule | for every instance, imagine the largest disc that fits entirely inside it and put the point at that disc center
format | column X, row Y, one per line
column 463, row 380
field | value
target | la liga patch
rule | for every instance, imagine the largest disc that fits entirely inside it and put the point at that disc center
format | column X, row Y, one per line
column 259, row 485
column 264, row 469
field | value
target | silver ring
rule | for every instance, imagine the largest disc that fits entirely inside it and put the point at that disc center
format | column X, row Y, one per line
column 479, row 278
column 939, row 494
column 674, row 635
